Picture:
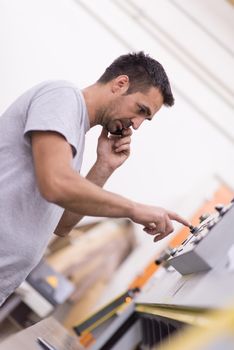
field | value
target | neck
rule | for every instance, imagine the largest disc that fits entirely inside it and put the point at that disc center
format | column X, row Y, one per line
column 95, row 98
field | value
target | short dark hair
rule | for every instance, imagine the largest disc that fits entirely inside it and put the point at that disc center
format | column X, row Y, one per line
column 143, row 72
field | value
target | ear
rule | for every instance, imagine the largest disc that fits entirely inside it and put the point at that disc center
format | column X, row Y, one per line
column 120, row 84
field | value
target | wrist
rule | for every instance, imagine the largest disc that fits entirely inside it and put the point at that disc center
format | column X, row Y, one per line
column 132, row 211
column 104, row 167
column 99, row 173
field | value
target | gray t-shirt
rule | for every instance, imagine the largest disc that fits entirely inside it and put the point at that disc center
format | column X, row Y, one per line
column 27, row 220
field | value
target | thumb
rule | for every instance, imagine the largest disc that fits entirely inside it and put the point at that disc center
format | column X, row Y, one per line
column 104, row 133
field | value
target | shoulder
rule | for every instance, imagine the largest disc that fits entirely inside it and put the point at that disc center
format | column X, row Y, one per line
column 56, row 91
column 54, row 86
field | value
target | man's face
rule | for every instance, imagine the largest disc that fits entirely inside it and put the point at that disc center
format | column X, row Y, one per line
column 125, row 111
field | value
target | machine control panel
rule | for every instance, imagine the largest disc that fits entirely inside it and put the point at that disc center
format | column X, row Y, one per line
column 207, row 243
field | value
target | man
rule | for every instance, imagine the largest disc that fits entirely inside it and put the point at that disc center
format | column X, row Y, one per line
column 41, row 147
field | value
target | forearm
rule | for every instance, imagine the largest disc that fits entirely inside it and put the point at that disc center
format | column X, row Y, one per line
column 82, row 197
column 98, row 175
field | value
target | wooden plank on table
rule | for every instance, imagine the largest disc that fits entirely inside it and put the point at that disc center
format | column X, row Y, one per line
column 90, row 244
column 85, row 306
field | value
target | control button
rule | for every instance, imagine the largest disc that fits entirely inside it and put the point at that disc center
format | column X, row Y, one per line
column 211, row 224
column 197, row 240
column 219, row 207
column 204, row 217
column 167, row 253
column 222, row 209
column 173, row 251
column 194, row 229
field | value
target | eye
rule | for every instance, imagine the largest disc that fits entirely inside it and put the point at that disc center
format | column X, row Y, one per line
column 141, row 110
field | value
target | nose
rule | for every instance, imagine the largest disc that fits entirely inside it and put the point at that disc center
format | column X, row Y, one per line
column 136, row 122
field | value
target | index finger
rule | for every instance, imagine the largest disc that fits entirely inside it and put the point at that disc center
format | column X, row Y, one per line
column 174, row 216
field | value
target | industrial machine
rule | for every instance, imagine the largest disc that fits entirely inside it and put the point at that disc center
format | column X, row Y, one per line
column 192, row 284
column 193, row 280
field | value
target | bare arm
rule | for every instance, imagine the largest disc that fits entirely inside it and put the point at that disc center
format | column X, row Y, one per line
column 97, row 175
column 60, row 184
column 112, row 152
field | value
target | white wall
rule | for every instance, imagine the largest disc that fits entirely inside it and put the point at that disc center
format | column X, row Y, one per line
column 175, row 156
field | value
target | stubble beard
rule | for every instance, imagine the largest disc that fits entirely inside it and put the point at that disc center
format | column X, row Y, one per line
column 114, row 125
column 103, row 117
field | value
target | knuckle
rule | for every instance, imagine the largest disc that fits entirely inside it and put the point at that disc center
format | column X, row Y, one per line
column 170, row 230
column 161, row 217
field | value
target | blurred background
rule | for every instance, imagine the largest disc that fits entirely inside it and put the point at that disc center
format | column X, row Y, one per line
column 187, row 152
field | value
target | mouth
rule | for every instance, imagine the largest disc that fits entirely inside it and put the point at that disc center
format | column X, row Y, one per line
column 119, row 126
column 117, row 132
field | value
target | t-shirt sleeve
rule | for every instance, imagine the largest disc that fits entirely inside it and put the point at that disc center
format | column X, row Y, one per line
column 55, row 110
